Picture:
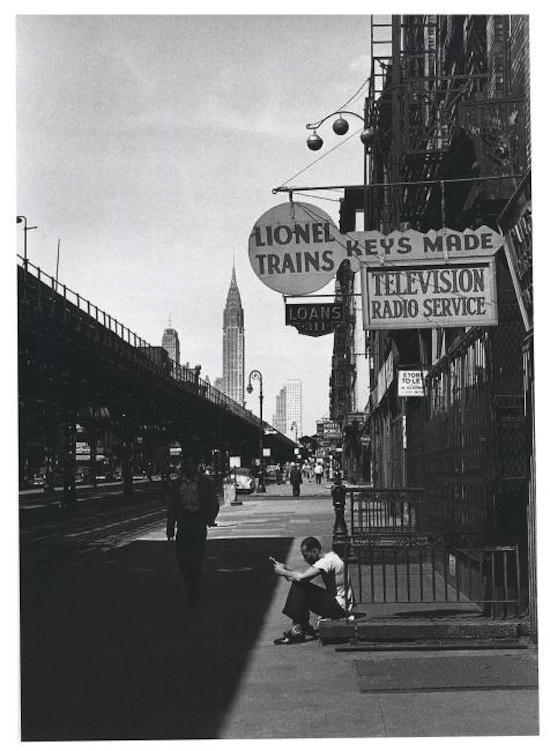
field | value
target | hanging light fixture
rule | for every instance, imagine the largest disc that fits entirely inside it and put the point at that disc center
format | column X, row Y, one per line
column 314, row 142
column 340, row 126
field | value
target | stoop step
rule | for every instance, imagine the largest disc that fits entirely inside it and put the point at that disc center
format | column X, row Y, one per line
column 390, row 631
column 427, row 645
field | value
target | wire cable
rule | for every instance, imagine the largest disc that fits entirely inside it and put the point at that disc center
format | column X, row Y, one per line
column 338, row 145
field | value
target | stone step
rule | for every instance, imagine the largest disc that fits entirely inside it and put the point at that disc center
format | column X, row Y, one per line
column 434, row 645
column 391, row 630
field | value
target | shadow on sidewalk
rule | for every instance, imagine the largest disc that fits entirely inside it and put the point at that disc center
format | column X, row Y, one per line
column 109, row 650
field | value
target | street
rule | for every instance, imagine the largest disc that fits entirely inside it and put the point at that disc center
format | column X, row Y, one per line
column 110, row 650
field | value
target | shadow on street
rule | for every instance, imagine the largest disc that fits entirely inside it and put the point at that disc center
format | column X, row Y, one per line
column 110, row 651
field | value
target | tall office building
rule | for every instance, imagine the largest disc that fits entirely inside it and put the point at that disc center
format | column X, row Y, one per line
column 293, row 388
column 233, row 343
column 279, row 418
column 171, row 343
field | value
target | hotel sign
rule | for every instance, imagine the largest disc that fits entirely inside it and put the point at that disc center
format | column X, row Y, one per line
column 429, row 296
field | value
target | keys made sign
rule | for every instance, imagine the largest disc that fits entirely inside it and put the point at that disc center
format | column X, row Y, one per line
column 314, row 319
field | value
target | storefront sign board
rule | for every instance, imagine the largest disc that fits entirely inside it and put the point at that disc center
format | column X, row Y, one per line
column 440, row 296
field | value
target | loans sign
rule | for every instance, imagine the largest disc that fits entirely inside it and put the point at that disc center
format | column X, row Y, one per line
column 314, row 319
column 429, row 296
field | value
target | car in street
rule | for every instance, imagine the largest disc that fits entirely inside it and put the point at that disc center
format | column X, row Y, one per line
column 244, row 481
column 271, row 473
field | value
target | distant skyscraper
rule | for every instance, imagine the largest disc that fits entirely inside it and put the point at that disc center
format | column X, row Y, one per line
column 293, row 390
column 233, row 343
column 218, row 384
column 279, row 418
column 171, row 343
column 288, row 409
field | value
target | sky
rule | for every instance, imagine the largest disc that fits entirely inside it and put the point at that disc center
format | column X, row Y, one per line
column 148, row 146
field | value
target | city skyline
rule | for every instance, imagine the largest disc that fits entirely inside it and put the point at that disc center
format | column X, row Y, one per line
column 159, row 235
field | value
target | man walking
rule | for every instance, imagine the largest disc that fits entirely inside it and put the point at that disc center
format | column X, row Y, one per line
column 192, row 507
column 333, row 601
column 295, row 480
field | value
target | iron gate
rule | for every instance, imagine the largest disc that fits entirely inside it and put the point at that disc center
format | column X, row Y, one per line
column 405, row 568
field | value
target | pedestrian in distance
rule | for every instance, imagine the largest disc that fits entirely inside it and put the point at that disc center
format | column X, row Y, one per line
column 333, row 601
column 318, row 471
column 295, row 480
column 192, row 507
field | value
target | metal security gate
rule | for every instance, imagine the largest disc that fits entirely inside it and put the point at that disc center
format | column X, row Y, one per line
column 400, row 568
column 393, row 554
column 458, row 439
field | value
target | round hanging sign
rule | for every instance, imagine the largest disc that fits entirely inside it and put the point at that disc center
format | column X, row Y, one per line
column 295, row 248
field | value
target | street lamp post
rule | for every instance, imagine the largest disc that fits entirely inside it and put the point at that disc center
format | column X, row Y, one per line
column 23, row 220
column 257, row 376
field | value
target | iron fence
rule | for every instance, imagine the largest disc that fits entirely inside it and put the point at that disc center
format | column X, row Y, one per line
column 413, row 568
column 392, row 509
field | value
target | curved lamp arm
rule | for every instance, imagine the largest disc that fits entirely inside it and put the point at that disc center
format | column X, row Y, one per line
column 313, row 126
column 256, row 376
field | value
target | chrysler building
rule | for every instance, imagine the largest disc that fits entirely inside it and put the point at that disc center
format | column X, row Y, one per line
column 233, row 343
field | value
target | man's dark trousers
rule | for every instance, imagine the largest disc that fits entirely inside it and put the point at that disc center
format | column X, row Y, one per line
column 305, row 597
column 190, row 545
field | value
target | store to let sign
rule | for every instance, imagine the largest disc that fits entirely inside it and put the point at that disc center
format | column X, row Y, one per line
column 410, row 382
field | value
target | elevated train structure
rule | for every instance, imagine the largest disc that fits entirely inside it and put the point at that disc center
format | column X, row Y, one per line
column 79, row 366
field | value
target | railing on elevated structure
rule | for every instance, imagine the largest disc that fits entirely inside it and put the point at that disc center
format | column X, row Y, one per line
column 178, row 373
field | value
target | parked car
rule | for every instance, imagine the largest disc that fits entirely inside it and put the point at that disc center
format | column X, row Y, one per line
column 244, row 480
column 271, row 473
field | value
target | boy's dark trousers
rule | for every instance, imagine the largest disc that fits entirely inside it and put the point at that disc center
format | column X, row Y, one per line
column 190, row 545
column 305, row 597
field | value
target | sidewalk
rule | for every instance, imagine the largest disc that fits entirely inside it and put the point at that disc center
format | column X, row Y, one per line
column 111, row 652
column 292, row 688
